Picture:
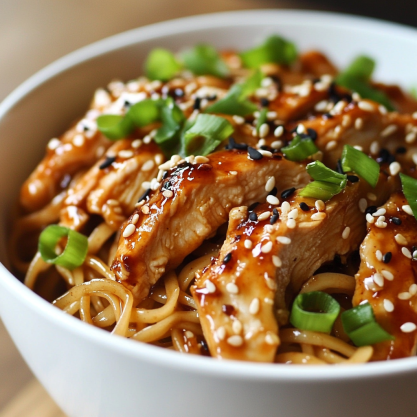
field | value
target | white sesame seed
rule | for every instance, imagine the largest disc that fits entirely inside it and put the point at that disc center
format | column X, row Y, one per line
column 135, row 218
column 268, row 300
column 167, row 193
column 53, row 144
column 211, row 288
column 277, row 144
column 125, row 154
column 145, row 209
column 235, row 340
column 407, row 209
column 285, row 207
column 221, row 333
column 415, row 255
column 389, row 130
column 408, row 327
column 413, row 289
column 284, row 240
column 404, row 295
column 160, row 175
column 359, row 123
column 382, row 109
column 388, row 306
column 414, row 115
column 247, row 243
column 276, row 260
column 320, row 206
column 261, row 142
column 293, row 214
column 129, row 230
column 363, row 204
column 379, row 212
column 148, row 165
column 175, row 159
column 321, row 105
column 270, row 184
column 279, row 131
column 232, row 288
column 410, row 137
column 374, row 148
column 271, row 115
column 301, row 129
column 378, row 255
column 271, row 339
column 346, row 232
column 189, row 334
column 78, row 140
column 267, row 247
column 378, row 279
column 201, row 159
column 271, row 284
column 239, row 120
column 370, row 218
column 366, row 106
column 263, row 130
column 166, row 166
column 265, row 153
column 254, row 306
column 147, row 139
column 387, row 275
column 271, row 199
column 371, row 196
column 400, row 239
column 291, row 224
column 263, row 216
column 394, row 168
column 406, row 252
column 237, row 326
column 331, row 145
column 112, row 202
column 233, row 172
column 337, row 109
column 381, row 224
column 318, row 216
column 414, row 157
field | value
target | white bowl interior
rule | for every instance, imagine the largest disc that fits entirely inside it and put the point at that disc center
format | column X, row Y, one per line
column 47, row 103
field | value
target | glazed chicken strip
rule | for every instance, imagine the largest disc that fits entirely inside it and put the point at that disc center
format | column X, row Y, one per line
column 387, row 278
column 113, row 185
column 193, row 201
column 267, row 252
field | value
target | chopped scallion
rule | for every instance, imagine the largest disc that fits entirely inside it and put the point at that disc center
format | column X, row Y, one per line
column 409, row 186
column 114, row 126
column 261, row 119
column 161, row 65
column 320, row 190
column 316, row 311
column 318, row 171
column 299, row 149
column 145, row 112
column 75, row 250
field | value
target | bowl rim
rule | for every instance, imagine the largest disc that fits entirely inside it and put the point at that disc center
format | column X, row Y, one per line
column 152, row 354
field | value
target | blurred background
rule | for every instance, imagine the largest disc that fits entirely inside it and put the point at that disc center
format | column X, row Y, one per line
column 33, row 33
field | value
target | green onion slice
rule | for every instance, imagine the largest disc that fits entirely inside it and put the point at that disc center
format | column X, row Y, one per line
column 320, row 190
column 318, row 171
column 274, row 50
column 362, row 164
column 356, row 77
column 410, row 191
column 75, row 250
column 161, row 65
column 360, row 325
column 204, row 59
column 114, row 126
column 316, row 311
column 299, row 149
column 205, row 135
column 261, row 119
column 145, row 112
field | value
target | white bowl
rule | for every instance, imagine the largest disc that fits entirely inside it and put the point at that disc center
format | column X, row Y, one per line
column 91, row 373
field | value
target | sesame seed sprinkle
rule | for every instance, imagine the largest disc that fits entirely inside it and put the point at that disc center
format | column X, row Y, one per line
column 268, row 300
column 235, row 340
column 410, row 137
column 78, row 140
column 366, row 106
column 387, row 275
column 388, row 306
column 263, row 216
column 125, row 154
column 378, row 255
column 227, row 258
column 371, row 196
column 378, row 279
column 363, row 204
column 211, row 288
column 285, row 207
column 389, row 130
column 284, row 240
column 271, row 199
column 370, row 218
column 129, row 230
column 291, row 224
column 346, row 232
column 278, row 131
column 374, row 148
column 135, row 218
column 379, row 212
column 408, row 327
column 189, row 334
column 407, row 209
column 406, row 252
column 107, row 162
column 254, row 154
column 359, row 123
column 239, row 120
column 404, row 296
column 394, row 168
column 271, row 339
column 270, row 184
column 201, row 159
column 148, row 165
column 387, row 258
column 136, row 144
column 221, row 333
column 167, row 193
column 271, row 284
column 400, row 239
column 276, row 260
column 267, row 247
column 320, row 206
column 254, row 306
column 237, row 326
column 248, row 244
column 413, row 289
column 331, row 145
column 277, row 144
column 318, row 216
column 145, row 209
column 232, row 288
column 263, row 130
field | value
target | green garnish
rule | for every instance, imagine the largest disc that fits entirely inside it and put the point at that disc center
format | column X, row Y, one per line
column 75, row 250
column 360, row 325
column 315, row 311
column 320, row 190
column 274, row 50
column 318, row 171
column 114, row 127
column 362, row 164
column 300, row 148
column 204, row 59
column 409, row 185
column 161, row 65
column 145, row 112
column 261, row 119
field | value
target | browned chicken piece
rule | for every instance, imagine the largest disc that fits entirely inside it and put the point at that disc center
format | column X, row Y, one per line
column 193, row 201
column 316, row 64
column 387, row 278
column 113, row 185
column 402, row 101
column 268, row 255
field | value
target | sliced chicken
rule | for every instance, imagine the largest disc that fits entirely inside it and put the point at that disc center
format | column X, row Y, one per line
column 193, row 201
column 387, row 278
column 268, row 255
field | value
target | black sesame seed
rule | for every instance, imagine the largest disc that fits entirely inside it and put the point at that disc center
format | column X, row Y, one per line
column 197, row 103
column 371, row 209
column 227, row 258
column 211, row 97
column 274, row 218
column 387, row 258
column 204, row 346
column 275, row 211
column 401, row 150
column 144, row 195
column 264, row 148
column 264, row 102
column 253, row 217
column 165, row 174
column 287, row 193
column 333, row 94
column 327, row 116
column 107, row 162
column 234, row 145
column 396, row 220
column 339, row 168
column 253, row 206
column 385, row 156
column 254, row 154
column 353, row 178
column 228, row 309
column 178, row 92
column 304, row 206
column 127, row 104
column 312, row 133
column 166, row 185
column 273, row 191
